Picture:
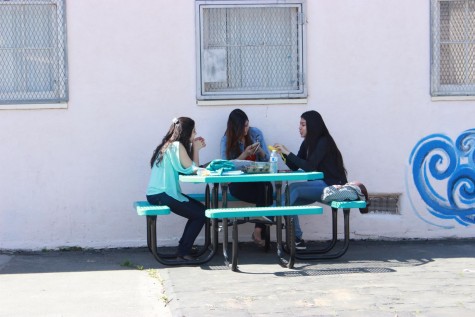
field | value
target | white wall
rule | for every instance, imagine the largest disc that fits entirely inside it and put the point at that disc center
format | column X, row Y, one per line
column 69, row 177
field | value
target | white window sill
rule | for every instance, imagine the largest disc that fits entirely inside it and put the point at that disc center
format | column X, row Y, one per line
column 34, row 106
column 251, row 102
column 453, row 98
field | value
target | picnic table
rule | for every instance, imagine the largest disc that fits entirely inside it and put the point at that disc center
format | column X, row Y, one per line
column 278, row 211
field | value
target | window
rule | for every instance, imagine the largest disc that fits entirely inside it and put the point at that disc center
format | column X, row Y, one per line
column 33, row 51
column 453, row 48
column 250, row 50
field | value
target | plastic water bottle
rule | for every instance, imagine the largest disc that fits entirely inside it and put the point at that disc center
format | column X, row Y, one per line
column 274, row 158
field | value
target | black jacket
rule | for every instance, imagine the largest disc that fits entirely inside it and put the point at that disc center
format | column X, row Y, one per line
column 320, row 160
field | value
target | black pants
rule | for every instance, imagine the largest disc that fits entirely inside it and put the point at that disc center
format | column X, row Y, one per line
column 193, row 210
column 254, row 193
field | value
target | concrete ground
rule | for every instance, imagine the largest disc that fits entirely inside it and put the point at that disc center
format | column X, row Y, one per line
column 399, row 278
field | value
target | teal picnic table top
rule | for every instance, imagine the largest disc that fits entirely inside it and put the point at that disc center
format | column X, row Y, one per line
column 242, row 178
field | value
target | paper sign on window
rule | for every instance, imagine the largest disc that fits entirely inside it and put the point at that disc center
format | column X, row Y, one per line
column 214, row 68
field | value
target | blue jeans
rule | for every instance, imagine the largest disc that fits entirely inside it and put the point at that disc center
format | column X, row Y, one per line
column 304, row 193
column 193, row 210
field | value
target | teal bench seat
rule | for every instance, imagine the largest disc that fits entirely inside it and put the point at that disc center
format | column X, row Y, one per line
column 262, row 211
column 143, row 208
column 324, row 252
column 233, row 213
column 348, row 204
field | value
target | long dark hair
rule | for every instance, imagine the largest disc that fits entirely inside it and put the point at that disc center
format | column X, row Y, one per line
column 316, row 129
column 181, row 131
column 235, row 131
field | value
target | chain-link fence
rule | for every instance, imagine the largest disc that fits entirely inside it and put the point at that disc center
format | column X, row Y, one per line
column 33, row 55
column 453, row 47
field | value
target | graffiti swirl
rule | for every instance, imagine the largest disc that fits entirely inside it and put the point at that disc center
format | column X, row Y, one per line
column 444, row 175
column 466, row 145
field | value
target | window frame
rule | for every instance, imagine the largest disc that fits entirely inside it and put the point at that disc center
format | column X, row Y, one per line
column 241, row 94
column 438, row 89
column 59, row 93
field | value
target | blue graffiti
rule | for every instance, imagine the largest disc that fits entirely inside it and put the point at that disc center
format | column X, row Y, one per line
column 444, row 175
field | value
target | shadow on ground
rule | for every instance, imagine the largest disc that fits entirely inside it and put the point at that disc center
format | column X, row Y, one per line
column 362, row 257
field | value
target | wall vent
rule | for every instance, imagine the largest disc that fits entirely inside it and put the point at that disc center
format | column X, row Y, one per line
column 384, row 204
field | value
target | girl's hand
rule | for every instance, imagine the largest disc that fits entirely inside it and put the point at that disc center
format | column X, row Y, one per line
column 199, row 143
column 261, row 152
column 248, row 150
column 281, row 148
column 251, row 149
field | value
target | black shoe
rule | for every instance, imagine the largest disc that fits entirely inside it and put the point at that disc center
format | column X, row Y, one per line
column 300, row 244
column 185, row 258
column 194, row 251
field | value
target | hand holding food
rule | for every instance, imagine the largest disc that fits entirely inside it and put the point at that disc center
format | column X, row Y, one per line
column 257, row 147
column 281, row 148
column 199, row 143
column 251, row 149
column 278, row 150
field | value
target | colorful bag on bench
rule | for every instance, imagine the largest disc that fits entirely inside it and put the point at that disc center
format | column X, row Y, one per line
column 349, row 191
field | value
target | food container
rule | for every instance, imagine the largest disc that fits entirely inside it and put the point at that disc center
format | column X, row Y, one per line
column 257, row 168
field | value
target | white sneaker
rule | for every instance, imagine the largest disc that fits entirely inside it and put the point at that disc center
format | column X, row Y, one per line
column 300, row 244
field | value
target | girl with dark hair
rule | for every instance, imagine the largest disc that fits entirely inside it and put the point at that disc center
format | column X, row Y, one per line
column 178, row 153
column 318, row 152
column 242, row 142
